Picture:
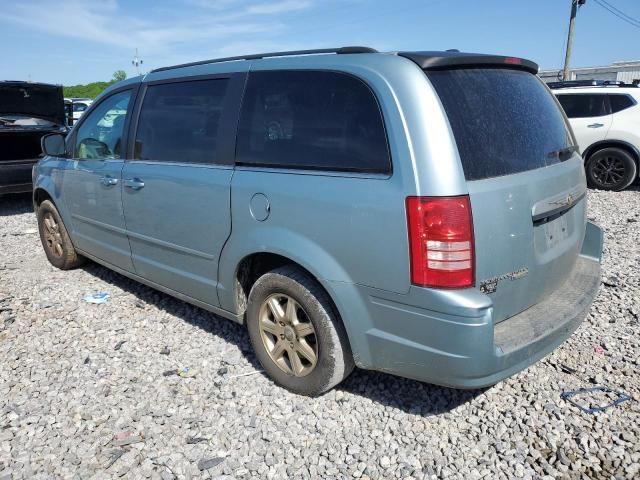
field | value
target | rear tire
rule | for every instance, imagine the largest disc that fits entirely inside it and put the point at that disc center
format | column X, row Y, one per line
column 295, row 333
column 610, row 169
column 55, row 239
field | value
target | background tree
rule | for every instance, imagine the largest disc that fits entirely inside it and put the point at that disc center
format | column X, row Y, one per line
column 92, row 90
column 119, row 75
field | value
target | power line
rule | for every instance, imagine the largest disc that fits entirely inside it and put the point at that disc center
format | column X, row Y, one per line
column 629, row 17
column 621, row 15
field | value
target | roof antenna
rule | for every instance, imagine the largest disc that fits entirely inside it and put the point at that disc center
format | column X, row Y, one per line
column 453, row 50
column 136, row 62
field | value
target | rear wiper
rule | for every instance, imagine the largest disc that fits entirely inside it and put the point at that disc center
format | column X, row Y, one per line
column 563, row 153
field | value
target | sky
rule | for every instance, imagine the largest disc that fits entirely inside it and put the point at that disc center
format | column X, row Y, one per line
column 75, row 41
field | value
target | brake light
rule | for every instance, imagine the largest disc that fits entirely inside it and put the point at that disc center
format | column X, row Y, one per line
column 513, row 60
column 441, row 245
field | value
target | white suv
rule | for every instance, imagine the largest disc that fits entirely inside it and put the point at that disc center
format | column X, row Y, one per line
column 606, row 122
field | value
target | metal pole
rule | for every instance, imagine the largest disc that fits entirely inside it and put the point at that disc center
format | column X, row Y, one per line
column 572, row 20
column 136, row 62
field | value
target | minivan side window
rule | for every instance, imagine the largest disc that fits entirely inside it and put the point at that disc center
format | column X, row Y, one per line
column 584, row 105
column 620, row 102
column 100, row 134
column 179, row 121
column 311, row 120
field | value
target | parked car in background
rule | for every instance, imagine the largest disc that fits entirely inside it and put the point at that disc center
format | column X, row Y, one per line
column 397, row 211
column 605, row 118
column 28, row 111
column 79, row 107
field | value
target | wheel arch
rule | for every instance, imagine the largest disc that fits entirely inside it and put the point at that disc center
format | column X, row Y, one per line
column 40, row 195
column 253, row 265
column 621, row 144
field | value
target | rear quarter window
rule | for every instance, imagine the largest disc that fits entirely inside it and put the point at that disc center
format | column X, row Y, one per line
column 620, row 102
column 503, row 121
column 311, row 120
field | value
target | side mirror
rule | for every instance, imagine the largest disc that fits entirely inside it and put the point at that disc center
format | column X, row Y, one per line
column 54, row 145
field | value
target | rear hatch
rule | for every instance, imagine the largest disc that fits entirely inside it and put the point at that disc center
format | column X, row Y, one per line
column 525, row 178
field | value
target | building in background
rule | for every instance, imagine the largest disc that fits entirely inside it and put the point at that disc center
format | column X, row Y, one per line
column 625, row 72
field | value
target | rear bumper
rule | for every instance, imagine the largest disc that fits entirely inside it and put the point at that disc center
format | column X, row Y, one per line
column 450, row 339
column 15, row 176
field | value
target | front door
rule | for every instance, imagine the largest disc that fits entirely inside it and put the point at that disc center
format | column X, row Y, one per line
column 93, row 187
column 176, row 189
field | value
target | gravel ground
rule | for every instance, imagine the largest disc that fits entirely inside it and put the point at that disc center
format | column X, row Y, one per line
column 89, row 391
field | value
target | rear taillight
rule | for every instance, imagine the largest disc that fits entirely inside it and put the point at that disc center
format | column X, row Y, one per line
column 441, row 241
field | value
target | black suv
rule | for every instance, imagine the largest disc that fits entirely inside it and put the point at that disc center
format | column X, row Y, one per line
column 28, row 111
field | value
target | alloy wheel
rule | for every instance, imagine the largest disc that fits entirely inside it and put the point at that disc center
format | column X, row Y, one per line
column 52, row 235
column 608, row 171
column 288, row 335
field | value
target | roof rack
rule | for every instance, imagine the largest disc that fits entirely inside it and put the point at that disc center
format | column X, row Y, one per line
column 340, row 50
column 588, row 83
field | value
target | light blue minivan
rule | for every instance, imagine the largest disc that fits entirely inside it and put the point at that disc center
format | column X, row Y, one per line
column 418, row 213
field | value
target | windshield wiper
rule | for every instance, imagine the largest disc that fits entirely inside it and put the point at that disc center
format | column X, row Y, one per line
column 6, row 121
column 563, row 153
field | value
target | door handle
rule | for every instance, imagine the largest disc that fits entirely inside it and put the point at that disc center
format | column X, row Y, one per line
column 108, row 181
column 596, row 125
column 134, row 183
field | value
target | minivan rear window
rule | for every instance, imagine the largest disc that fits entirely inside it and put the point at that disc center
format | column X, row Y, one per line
column 503, row 121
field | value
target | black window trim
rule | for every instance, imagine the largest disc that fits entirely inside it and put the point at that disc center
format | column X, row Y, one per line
column 607, row 103
column 225, row 152
column 339, row 172
column 70, row 143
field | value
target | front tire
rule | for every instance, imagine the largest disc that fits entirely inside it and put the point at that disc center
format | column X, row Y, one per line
column 55, row 238
column 296, row 334
column 610, row 169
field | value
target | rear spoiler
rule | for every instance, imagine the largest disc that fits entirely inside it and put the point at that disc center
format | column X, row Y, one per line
column 452, row 59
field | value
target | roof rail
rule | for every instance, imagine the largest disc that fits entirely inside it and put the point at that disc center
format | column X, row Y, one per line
column 588, row 83
column 340, row 50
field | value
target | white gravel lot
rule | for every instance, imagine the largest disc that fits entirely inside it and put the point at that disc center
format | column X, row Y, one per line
column 77, row 402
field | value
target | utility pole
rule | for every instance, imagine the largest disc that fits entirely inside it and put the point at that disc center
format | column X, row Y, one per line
column 575, row 4
column 136, row 62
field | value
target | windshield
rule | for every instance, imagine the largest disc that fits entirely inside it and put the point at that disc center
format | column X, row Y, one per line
column 42, row 101
column 504, row 121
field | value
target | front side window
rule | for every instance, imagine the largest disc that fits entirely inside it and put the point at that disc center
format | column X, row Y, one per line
column 179, row 121
column 311, row 120
column 584, row 105
column 100, row 135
